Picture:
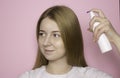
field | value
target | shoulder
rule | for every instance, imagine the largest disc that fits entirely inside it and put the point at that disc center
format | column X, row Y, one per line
column 32, row 73
column 90, row 72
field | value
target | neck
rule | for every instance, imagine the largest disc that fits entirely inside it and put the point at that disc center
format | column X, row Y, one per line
column 58, row 67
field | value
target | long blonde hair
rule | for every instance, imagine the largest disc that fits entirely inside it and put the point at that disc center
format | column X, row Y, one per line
column 71, row 34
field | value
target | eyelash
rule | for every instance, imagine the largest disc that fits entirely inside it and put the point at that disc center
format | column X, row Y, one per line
column 41, row 34
column 54, row 35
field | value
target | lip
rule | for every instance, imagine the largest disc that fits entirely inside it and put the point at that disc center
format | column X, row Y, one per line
column 47, row 51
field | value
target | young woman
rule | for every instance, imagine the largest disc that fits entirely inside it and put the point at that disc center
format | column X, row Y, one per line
column 60, row 47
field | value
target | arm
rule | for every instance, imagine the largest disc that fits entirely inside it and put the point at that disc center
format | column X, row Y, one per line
column 106, row 27
column 117, row 42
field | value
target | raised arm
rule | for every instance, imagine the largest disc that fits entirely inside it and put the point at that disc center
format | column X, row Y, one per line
column 106, row 27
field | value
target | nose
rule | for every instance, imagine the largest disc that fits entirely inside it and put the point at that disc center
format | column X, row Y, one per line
column 47, row 41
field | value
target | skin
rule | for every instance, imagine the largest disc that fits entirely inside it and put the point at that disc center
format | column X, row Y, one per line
column 52, row 47
column 104, row 27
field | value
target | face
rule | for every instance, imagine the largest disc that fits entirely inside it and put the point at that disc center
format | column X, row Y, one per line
column 50, row 41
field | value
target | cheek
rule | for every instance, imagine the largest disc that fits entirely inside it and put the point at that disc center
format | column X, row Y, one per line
column 60, row 45
column 40, row 41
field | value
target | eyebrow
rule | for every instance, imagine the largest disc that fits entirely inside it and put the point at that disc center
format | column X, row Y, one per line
column 41, row 30
column 52, row 31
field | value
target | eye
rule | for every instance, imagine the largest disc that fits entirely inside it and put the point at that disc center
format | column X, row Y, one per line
column 56, row 35
column 42, row 34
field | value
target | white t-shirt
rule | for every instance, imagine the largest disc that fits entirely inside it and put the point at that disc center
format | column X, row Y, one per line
column 75, row 72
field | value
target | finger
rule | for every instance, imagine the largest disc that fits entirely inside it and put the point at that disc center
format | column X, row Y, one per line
column 90, row 30
column 99, row 12
column 94, row 19
column 96, row 30
column 99, row 31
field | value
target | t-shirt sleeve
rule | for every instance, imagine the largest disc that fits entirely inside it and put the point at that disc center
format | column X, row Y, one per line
column 95, row 73
column 31, row 73
column 25, row 75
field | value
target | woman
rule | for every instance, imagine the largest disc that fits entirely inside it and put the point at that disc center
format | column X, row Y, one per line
column 60, row 47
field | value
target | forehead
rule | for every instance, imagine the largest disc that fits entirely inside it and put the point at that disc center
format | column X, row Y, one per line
column 49, row 25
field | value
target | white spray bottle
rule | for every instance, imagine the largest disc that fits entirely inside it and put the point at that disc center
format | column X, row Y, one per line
column 103, row 41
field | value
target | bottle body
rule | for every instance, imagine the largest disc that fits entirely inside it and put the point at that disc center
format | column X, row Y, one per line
column 103, row 41
column 104, row 44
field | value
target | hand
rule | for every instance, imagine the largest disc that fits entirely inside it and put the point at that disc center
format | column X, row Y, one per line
column 105, row 26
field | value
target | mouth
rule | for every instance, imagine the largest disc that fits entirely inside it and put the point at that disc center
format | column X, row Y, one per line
column 48, row 51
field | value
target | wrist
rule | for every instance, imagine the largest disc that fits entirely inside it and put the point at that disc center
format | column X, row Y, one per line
column 116, row 40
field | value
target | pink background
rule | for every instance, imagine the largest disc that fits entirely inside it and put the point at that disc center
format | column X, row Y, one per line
column 18, row 45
